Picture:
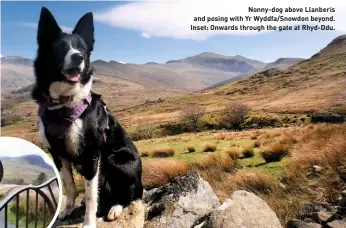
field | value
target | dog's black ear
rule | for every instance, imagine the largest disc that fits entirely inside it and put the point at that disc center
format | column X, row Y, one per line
column 48, row 28
column 85, row 28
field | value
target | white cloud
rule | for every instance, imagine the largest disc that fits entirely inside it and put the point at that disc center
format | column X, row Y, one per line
column 145, row 35
column 35, row 26
column 14, row 147
column 1, row 56
column 173, row 19
column 66, row 29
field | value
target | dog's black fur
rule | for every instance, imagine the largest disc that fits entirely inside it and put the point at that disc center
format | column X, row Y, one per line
column 120, row 165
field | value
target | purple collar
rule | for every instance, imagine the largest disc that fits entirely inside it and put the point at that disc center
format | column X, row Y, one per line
column 57, row 121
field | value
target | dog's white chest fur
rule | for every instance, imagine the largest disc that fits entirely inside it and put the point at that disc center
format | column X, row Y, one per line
column 73, row 136
column 72, row 139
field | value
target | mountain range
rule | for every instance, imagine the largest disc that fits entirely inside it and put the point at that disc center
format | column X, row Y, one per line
column 26, row 167
column 189, row 74
column 313, row 84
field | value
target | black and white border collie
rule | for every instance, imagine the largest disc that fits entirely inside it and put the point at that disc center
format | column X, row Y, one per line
column 76, row 126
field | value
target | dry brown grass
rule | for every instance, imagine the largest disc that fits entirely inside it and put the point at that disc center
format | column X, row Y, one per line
column 287, row 139
column 255, row 181
column 274, row 152
column 325, row 145
column 190, row 148
column 220, row 136
column 159, row 171
column 234, row 153
column 257, row 143
column 214, row 161
column 209, row 147
column 161, row 152
column 144, row 154
column 247, row 151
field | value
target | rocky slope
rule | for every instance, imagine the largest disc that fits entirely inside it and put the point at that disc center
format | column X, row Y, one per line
column 188, row 202
column 283, row 63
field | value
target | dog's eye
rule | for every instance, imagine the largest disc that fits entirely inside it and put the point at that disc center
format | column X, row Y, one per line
column 81, row 48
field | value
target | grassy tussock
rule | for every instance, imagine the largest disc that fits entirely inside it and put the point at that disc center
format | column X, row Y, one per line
column 234, row 153
column 212, row 162
column 247, row 151
column 274, row 152
column 144, row 154
column 209, row 147
column 159, row 171
column 255, row 181
column 256, row 144
column 190, row 148
column 161, row 152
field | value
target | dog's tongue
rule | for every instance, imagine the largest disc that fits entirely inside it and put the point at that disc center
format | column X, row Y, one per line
column 73, row 77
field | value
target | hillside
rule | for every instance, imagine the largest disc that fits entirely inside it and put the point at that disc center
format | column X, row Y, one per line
column 313, row 84
column 281, row 63
column 25, row 167
column 16, row 72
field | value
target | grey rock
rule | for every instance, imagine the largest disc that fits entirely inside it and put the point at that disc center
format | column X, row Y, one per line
column 322, row 216
column 307, row 210
column 243, row 209
column 179, row 204
column 300, row 224
column 337, row 224
column 343, row 193
column 317, row 168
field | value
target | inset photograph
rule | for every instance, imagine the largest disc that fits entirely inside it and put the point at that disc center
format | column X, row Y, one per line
column 30, row 193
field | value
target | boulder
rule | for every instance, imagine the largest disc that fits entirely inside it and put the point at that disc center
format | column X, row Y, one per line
column 243, row 209
column 179, row 204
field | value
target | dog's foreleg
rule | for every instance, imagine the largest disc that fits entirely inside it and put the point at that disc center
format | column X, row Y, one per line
column 67, row 177
column 91, row 198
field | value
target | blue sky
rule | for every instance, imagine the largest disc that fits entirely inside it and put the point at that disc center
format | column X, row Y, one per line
column 135, row 33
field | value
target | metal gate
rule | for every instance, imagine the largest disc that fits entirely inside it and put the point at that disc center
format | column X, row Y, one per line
column 50, row 205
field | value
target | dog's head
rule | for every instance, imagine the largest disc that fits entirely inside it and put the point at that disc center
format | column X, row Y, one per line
column 62, row 66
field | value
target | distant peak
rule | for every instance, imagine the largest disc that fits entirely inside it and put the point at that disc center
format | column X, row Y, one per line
column 208, row 53
column 13, row 57
column 151, row 63
column 99, row 61
column 211, row 54
column 338, row 40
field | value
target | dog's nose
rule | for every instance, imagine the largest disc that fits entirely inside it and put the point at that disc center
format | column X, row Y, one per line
column 77, row 57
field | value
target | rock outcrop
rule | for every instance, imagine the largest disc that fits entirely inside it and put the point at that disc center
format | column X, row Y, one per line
column 321, row 215
column 180, row 203
column 243, row 209
column 187, row 202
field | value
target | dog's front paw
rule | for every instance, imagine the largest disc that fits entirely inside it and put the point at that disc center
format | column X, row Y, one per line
column 65, row 213
column 114, row 212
